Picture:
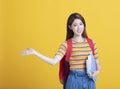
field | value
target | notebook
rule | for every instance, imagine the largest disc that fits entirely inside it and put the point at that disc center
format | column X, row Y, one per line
column 91, row 65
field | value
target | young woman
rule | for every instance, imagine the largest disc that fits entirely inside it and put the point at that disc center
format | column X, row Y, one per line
column 76, row 31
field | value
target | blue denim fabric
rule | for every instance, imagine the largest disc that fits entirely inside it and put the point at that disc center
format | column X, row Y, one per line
column 78, row 79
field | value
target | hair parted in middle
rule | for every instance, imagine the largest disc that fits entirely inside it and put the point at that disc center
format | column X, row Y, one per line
column 70, row 20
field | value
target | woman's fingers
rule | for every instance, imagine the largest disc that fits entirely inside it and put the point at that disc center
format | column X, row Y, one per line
column 27, row 52
column 23, row 53
column 94, row 75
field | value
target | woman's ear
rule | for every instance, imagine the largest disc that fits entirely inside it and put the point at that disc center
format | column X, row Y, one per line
column 69, row 27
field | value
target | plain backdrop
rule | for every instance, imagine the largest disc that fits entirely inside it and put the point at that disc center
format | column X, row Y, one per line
column 41, row 24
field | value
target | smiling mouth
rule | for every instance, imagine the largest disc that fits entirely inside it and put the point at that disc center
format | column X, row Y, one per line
column 79, row 31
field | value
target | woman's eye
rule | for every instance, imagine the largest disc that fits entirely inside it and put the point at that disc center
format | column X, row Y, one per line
column 81, row 23
column 74, row 25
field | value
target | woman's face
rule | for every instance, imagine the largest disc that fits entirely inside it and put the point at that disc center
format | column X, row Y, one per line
column 77, row 27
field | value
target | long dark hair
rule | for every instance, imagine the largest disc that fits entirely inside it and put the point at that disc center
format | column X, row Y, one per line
column 71, row 18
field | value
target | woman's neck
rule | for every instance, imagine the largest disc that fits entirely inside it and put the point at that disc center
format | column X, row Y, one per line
column 78, row 39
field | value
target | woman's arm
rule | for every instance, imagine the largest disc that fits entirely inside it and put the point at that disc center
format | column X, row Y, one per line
column 95, row 74
column 52, row 61
column 98, row 65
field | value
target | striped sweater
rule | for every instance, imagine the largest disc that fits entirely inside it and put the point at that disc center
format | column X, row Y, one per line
column 79, row 54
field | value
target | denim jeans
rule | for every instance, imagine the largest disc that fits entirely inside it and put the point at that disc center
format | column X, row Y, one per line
column 78, row 79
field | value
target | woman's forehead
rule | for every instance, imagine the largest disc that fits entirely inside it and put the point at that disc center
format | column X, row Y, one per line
column 77, row 21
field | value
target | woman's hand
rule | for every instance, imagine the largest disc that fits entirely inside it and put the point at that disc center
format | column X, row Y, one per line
column 94, row 75
column 29, row 51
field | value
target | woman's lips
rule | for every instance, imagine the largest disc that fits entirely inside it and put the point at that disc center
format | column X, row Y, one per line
column 79, row 31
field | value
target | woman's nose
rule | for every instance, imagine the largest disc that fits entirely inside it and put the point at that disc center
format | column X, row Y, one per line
column 78, row 27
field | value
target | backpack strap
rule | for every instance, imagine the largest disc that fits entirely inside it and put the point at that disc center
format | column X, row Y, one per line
column 69, row 50
column 91, row 44
column 64, row 66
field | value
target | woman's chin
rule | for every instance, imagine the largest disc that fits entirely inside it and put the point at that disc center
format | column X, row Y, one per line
column 78, row 34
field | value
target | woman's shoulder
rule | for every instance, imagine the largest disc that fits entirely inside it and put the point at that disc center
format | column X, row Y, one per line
column 92, row 40
column 64, row 43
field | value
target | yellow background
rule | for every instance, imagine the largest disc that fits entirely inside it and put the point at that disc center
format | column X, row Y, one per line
column 41, row 24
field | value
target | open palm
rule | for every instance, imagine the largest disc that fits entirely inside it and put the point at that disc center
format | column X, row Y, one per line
column 29, row 51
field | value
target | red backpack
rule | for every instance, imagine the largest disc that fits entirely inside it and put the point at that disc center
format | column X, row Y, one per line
column 64, row 63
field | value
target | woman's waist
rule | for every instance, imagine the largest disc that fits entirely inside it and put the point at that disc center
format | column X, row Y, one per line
column 78, row 67
column 78, row 72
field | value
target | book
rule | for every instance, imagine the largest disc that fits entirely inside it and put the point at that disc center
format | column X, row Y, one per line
column 91, row 65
